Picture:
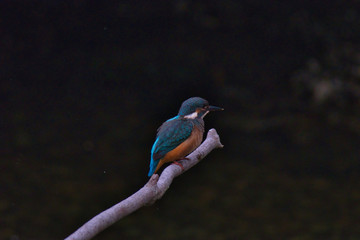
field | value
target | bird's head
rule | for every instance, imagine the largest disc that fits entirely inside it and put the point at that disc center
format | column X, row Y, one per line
column 196, row 107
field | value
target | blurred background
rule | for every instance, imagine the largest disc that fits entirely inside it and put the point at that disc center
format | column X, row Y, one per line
column 85, row 84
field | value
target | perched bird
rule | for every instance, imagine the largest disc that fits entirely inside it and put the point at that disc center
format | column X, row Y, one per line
column 180, row 135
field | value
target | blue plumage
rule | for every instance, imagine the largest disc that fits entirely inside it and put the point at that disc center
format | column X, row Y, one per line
column 170, row 135
column 175, row 131
column 153, row 163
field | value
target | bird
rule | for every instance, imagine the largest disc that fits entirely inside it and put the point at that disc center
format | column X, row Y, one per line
column 179, row 136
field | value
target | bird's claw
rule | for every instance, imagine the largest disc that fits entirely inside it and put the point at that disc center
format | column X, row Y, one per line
column 179, row 164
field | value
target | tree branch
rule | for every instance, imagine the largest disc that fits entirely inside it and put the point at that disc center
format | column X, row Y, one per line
column 153, row 190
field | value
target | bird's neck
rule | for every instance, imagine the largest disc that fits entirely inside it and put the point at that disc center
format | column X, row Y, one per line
column 196, row 114
column 192, row 115
column 198, row 121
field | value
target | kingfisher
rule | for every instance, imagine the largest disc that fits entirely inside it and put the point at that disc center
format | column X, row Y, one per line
column 180, row 135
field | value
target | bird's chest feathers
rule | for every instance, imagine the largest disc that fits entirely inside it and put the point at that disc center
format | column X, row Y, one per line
column 187, row 146
column 195, row 138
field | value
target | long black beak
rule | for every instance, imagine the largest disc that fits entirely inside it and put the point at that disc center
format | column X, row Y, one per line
column 213, row 108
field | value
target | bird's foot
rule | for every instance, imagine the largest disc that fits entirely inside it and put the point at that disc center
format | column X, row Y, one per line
column 179, row 164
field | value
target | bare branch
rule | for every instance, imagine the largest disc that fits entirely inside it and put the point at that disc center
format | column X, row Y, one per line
column 153, row 190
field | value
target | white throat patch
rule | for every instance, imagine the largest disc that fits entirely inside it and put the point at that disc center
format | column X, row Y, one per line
column 192, row 115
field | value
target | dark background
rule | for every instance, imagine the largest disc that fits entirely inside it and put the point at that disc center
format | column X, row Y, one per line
column 85, row 84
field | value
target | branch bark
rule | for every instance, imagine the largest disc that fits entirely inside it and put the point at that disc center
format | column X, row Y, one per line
column 153, row 190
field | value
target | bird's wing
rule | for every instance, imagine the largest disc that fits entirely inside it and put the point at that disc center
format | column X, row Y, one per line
column 170, row 135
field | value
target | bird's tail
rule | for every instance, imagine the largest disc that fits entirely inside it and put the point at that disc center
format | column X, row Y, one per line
column 153, row 165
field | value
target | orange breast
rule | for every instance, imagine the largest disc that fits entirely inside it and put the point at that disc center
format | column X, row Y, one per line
column 183, row 149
